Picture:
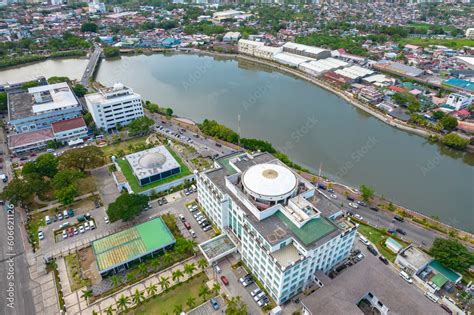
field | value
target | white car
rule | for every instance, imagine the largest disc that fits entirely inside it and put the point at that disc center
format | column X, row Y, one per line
column 354, row 205
column 358, row 217
column 64, row 234
column 406, row 277
column 106, row 220
column 81, row 229
column 255, row 292
column 364, row 240
column 40, row 235
column 333, row 196
column 86, row 226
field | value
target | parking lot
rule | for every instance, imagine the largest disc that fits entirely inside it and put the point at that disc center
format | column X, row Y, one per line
column 206, row 308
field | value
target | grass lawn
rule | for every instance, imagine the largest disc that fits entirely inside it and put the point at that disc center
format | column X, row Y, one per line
column 165, row 303
column 132, row 180
column 378, row 238
column 113, row 149
column 451, row 43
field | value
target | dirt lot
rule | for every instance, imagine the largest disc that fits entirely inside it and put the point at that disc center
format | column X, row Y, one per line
column 88, row 265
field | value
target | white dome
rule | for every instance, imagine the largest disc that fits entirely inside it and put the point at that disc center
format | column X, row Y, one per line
column 152, row 160
column 269, row 181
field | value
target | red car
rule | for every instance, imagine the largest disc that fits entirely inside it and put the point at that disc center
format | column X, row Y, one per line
column 224, row 280
column 70, row 232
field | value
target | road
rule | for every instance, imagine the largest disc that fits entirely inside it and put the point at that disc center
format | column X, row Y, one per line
column 382, row 219
column 15, row 282
column 94, row 58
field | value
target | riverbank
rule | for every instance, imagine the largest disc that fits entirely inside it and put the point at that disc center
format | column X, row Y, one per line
column 8, row 64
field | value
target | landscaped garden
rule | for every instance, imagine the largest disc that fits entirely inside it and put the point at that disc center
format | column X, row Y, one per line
column 74, row 271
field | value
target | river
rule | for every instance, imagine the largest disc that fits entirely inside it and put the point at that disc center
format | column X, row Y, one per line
column 314, row 127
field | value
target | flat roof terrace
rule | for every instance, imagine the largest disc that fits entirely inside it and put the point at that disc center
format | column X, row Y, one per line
column 217, row 247
column 20, row 105
column 286, row 255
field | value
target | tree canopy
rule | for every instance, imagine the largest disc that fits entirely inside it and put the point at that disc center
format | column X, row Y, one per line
column 126, row 207
column 82, row 158
column 89, row 27
column 366, row 192
column 235, row 306
column 452, row 254
column 448, row 122
column 140, row 126
column 45, row 165
column 455, row 141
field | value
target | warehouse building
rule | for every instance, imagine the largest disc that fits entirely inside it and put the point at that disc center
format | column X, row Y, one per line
column 306, row 51
column 319, row 67
column 354, row 72
column 291, row 60
column 115, row 252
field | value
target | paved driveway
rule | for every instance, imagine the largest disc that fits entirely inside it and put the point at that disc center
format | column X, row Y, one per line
column 106, row 185
column 207, row 309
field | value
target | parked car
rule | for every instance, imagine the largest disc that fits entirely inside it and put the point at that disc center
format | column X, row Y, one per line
column 224, row 280
column 383, row 259
column 401, row 231
column 182, row 218
column 359, row 257
column 214, row 303
column 207, row 228
column 70, row 232
column 447, row 309
column 361, row 203
column 60, row 216
column 70, row 213
column 263, row 302
column 81, row 229
column 245, row 278
column 259, row 296
column 247, row 282
column 374, row 209
column 193, row 234
column 358, row 217
column 406, row 277
column 92, row 224
column 364, row 240
column 391, row 231
column 372, row 250
column 399, row 218
column 97, row 204
column 255, row 292
column 106, row 220
column 47, row 219
column 40, row 235
column 76, row 231
column 187, row 225
column 354, row 205
column 65, row 214
column 64, row 234
column 86, row 226
column 350, row 198
column 321, row 186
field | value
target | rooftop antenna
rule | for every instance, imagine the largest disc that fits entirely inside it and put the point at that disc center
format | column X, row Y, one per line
column 238, row 127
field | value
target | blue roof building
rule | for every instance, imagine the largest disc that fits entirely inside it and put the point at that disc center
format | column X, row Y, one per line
column 461, row 84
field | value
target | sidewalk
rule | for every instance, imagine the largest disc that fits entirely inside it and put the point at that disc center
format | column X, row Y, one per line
column 77, row 305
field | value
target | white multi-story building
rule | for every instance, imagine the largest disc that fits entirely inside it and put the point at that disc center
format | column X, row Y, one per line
column 470, row 33
column 458, row 101
column 114, row 106
column 248, row 47
column 284, row 228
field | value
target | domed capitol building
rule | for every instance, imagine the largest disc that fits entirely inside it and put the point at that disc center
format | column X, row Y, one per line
column 153, row 164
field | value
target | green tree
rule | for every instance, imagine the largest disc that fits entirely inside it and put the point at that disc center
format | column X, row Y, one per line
column 177, row 275
column 82, row 158
column 111, row 52
column 366, row 192
column 109, row 310
column 123, row 302
column 116, row 281
column 169, row 112
column 452, row 254
column 140, row 126
column 455, row 141
column 131, row 276
column 126, row 207
column 66, row 194
column 235, row 306
column 216, row 287
column 142, row 268
column 164, row 283
column 202, row 263
column 89, row 27
column 204, row 291
column 79, row 89
column 191, row 302
column 189, row 269
column 178, row 309
column 86, row 294
column 54, row 80
column 66, row 177
column 137, row 297
column 47, row 165
column 3, row 101
column 438, row 115
column 155, row 264
column 17, row 192
column 449, row 122
column 151, row 289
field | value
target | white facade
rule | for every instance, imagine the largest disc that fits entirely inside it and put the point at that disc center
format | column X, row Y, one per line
column 284, row 241
column 248, row 47
column 231, row 37
column 267, row 52
column 458, row 101
column 470, row 33
column 114, row 106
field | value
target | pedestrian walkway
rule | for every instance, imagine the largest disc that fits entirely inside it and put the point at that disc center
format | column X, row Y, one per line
column 75, row 304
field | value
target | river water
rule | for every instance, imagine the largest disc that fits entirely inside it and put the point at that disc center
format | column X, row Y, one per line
column 314, row 127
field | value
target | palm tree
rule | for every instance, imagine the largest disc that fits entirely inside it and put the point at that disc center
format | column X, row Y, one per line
column 191, row 302
column 151, row 289
column 116, row 281
column 143, row 269
column 178, row 309
column 202, row 263
column 94, row 312
column 167, row 258
column 177, row 274
column 216, row 287
column 123, row 301
column 137, row 296
column 131, row 276
column 203, row 291
column 86, row 294
column 109, row 310
column 164, row 283
column 155, row 263
column 189, row 269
